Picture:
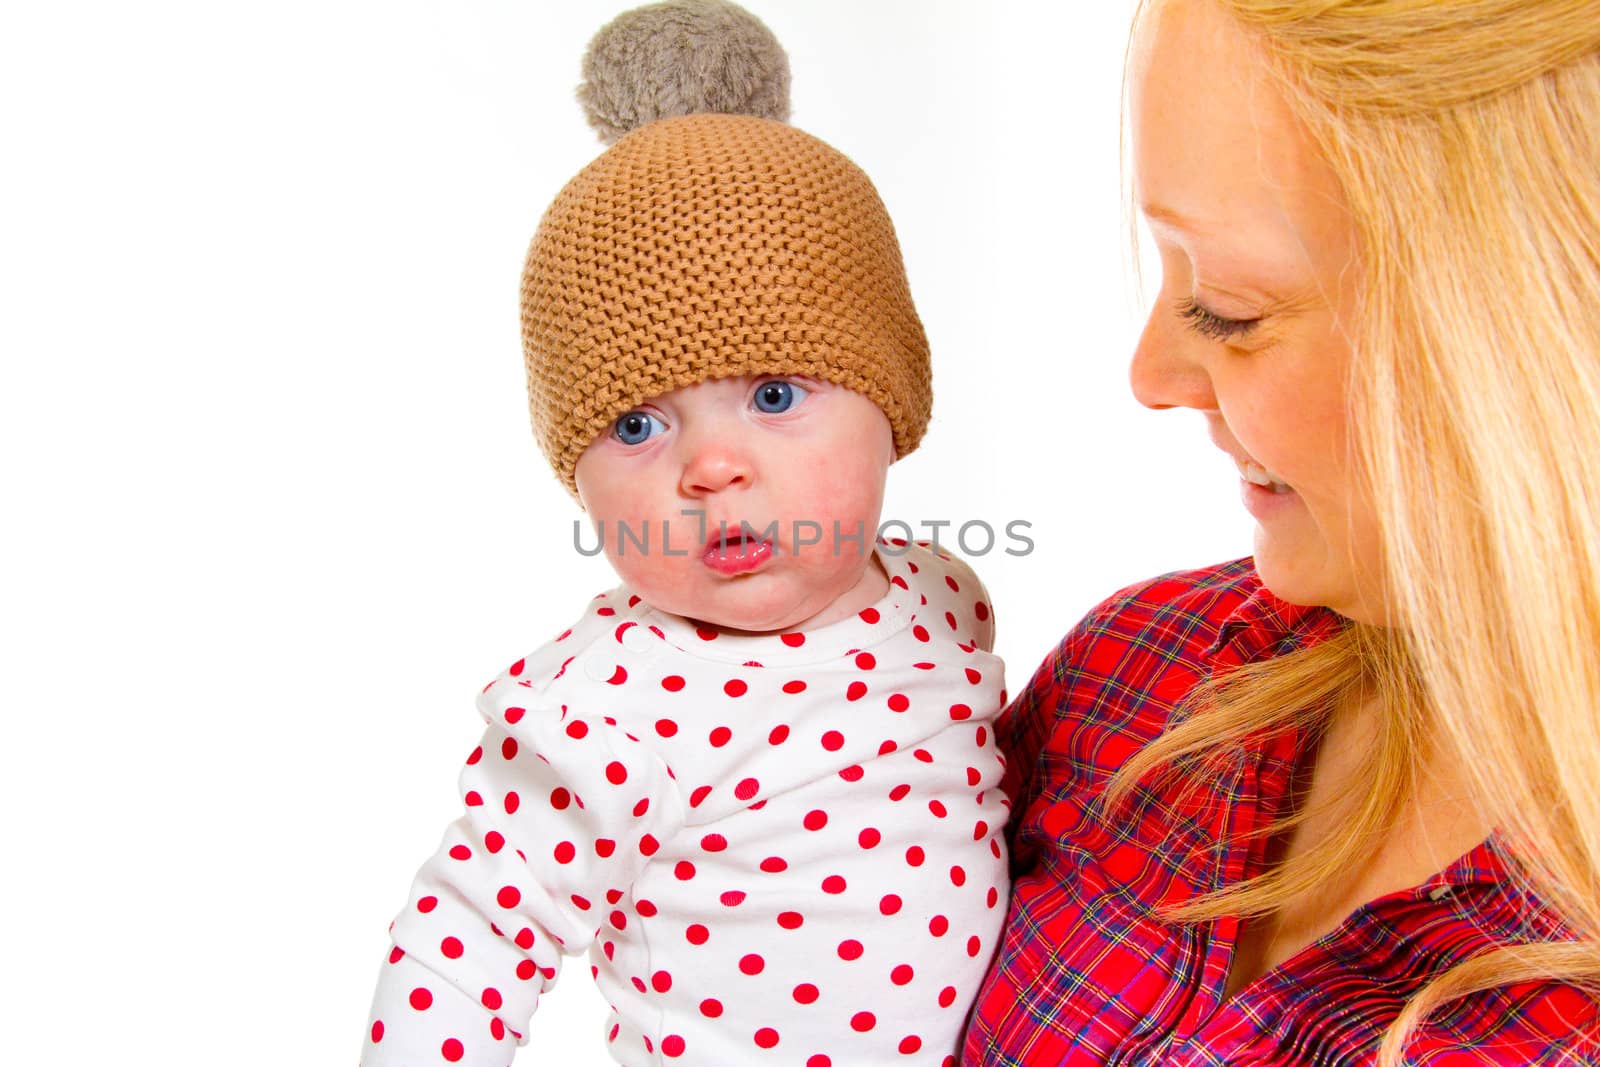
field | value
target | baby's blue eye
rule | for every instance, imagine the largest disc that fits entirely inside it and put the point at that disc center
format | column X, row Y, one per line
column 636, row 427
column 777, row 396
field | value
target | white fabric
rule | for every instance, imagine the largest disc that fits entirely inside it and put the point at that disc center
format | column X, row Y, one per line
column 776, row 849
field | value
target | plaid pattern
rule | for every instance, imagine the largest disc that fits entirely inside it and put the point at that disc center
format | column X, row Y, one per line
column 1086, row 974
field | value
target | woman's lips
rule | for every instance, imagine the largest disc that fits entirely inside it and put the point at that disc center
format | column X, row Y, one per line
column 736, row 555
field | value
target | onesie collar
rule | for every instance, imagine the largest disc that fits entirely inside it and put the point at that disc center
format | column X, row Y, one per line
column 869, row 626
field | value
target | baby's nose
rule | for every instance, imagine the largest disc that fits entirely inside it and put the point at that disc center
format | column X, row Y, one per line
column 715, row 465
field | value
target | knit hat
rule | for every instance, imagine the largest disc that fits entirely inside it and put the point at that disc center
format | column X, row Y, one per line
column 709, row 245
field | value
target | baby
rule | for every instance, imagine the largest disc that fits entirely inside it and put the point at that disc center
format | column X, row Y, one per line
column 755, row 781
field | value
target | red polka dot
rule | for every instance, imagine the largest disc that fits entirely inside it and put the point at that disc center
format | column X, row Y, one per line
column 815, row 819
column 452, row 1050
column 735, row 687
column 604, row 847
column 993, row 897
column 910, row 1044
column 752, row 963
column 497, row 1029
column 862, row 1021
column 805, row 993
column 524, row 938
column 512, row 802
column 421, row 999
column 774, row 865
column 958, row 876
column 565, row 852
column 493, row 841
column 526, row 970
column 700, row 793
column 475, row 756
column 451, row 948
column 866, row 661
column 618, row 676
column 889, row 904
column 697, row 934
column 833, row 884
column 711, row 1007
column 981, row 610
column 666, row 728
column 779, row 735
column 766, row 1037
column 684, row 870
column 732, row 898
column 377, row 1031
column 473, row 798
column 720, row 736
column 672, row 1045
column 938, row 808
column 491, row 998
column 915, row 855
column 672, row 683
column 577, row 729
column 901, row 974
column 713, row 842
column 560, row 799
column 869, row 837
column 855, row 690
column 661, row 981
column 947, row 996
column 923, row 755
column 869, row 614
column 793, row 640
column 920, row 632
column 508, row 748
column 747, row 789
column 705, row 634
column 898, row 702
column 645, row 908
column 794, row 687
column 960, row 711
column 616, row 773
column 648, row 845
column 983, row 737
column 833, row 740
column 974, row 776
column 850, row 949
column 640, row 808
column 509, row 896
column 461, row 852
column 900, row 792
column 974, row 946
column 819, row 1060
column 427, row 904
column 790, row 920
column 938, row 926
column 396, row 954
column 852, row 773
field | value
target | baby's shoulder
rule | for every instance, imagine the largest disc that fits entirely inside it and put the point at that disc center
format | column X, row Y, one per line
column 947, row 589
column 606, row 616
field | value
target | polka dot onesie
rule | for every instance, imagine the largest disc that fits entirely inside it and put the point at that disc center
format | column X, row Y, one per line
column 777, row 849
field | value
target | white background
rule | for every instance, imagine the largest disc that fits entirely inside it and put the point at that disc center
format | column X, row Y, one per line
column 273, row 512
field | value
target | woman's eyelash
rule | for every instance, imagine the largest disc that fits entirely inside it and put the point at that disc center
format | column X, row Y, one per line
column 1212, row 325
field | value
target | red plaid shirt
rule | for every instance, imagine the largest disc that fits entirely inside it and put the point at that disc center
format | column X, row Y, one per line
column 1086, row 974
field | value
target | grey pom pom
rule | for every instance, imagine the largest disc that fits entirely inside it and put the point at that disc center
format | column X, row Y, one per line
column 680, row 58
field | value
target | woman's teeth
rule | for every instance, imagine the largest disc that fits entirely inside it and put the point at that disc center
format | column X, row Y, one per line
column 1256, row 474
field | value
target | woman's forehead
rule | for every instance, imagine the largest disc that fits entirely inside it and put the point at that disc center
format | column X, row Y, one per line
column 1219, row 157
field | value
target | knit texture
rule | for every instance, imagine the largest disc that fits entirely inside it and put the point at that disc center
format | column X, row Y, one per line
column 708, row 246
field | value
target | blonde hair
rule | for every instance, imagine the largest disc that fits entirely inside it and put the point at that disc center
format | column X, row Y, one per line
column 1466, row 137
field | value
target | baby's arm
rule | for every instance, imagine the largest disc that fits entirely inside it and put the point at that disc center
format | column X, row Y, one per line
column 561, row 808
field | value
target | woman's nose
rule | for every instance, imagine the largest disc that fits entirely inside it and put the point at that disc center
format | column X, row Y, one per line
column 1167, row 369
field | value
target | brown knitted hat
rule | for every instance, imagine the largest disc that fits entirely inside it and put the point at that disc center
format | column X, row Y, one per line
column 706, row 246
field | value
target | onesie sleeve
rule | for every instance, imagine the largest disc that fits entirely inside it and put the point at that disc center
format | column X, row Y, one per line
column 562, row 809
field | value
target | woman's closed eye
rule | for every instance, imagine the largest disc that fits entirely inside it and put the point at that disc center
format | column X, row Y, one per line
column 1209, row 324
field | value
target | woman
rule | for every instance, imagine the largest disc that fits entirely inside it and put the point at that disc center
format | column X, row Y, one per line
column 1341, row 803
